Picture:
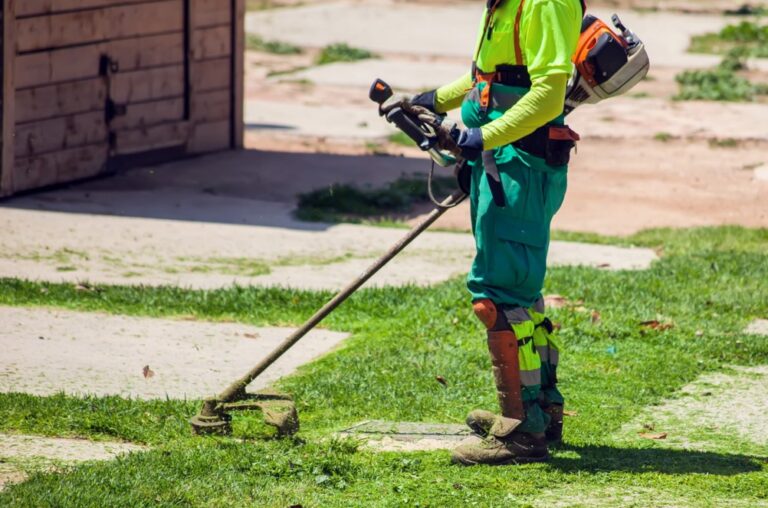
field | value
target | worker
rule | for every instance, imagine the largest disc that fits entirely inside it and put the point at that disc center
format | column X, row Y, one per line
column 512, row 105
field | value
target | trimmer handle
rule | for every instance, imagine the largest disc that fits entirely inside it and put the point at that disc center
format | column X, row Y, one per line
column 380, row 93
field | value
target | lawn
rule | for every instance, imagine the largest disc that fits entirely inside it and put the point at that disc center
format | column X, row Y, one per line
column 709, row 284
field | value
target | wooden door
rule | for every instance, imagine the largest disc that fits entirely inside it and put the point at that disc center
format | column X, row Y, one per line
column 96, row 80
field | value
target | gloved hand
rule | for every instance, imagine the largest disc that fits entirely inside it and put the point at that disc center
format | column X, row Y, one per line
column 425, row 100
column 467, row 143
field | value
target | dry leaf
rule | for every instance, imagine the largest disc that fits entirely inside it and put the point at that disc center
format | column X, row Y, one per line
column 251, row 335
column 148, row 373
column 555, row 301
column 661, row 435
column 699, row 333
column 441, row 380
column 595, row 317
column 657, row 325
column 570, row 413
column 604, row 265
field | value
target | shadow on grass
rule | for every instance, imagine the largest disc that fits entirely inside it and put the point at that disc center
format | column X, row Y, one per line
column 596, row 458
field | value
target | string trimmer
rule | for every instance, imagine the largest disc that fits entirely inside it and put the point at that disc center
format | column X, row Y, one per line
column 279, row 410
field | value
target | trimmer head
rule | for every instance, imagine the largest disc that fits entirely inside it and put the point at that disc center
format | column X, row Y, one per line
column 278, row 409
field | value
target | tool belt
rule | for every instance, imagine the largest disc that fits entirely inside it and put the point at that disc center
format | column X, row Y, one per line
column 551, row 142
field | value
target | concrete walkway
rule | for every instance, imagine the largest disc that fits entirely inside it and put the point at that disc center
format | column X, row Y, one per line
column 49, row 351
column 182, row 224
column 450, row 30
column 19, row 452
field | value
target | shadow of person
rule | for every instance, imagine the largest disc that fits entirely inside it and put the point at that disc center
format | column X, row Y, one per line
column 601, row 458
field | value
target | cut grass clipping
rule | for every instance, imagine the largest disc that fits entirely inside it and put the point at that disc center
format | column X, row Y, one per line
column 720, row 84
column 347, row 203
column 709, row 284
column 256, row 43
column 342, row 53
column 750, row 35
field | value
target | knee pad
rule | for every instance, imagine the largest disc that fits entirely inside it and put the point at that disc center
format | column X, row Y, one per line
column 487, row 312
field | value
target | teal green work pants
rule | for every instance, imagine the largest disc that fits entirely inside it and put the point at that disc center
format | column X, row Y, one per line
column 512, row 241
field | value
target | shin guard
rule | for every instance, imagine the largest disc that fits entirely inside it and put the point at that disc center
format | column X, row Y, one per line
column 503, row 347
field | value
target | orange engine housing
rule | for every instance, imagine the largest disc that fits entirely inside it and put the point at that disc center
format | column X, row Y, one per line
column 595, row 36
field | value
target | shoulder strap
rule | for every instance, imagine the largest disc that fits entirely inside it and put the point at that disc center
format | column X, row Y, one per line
column 518, row 47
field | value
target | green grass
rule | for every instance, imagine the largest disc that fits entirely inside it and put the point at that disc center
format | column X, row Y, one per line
column 719, row 84
column 710, row 280
column 255, row 43
column 402, row 139
column 752, row 36
column 342, row 52
column 347, row 203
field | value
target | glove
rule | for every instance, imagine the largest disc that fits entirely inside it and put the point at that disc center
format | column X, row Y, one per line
column 424, row 100
column 470, row 143
column 467, row 144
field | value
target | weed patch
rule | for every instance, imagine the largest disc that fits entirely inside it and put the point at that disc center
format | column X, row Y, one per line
column 342, row 53
column 348, row 203
column 752, row 36
column 255, row 43
column 721, row 83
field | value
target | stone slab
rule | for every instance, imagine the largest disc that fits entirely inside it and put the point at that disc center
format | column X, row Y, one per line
column 758, row 327
column 294, row 119
column 414, row 76
column 761, row 173
column 382, row 435
column 18, row 446
column 186, row 224
column 50, row 351
column 401, row 27
column 717, row 412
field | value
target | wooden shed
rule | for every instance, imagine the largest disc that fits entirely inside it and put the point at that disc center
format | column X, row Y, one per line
column 95, row 86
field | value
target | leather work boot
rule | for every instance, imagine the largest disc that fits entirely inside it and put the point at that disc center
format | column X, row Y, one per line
column 516, row 448
column 555, row 428
column 481, row 421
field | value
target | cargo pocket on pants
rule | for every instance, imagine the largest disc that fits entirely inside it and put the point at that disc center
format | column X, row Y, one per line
column 521, row 260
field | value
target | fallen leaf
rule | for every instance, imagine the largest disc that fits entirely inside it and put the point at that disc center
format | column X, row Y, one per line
column 555, row 301
column 570, row 413
column 699, row 333
column 441, row 380
column 251, row 335
column 661, row 435
column 595, row 317
column 455, row 321
column 148, row 373
column 604, row 265
column 655, row 324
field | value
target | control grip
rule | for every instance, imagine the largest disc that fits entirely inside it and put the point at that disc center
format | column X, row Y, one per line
column 403, row 122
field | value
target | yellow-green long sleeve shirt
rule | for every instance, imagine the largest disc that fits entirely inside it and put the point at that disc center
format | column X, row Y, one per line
column 549, row 31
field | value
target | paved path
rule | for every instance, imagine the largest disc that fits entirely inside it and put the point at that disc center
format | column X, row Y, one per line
column 184, row 224
column 18, row 450
column 49, row 351
column 450, row 30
